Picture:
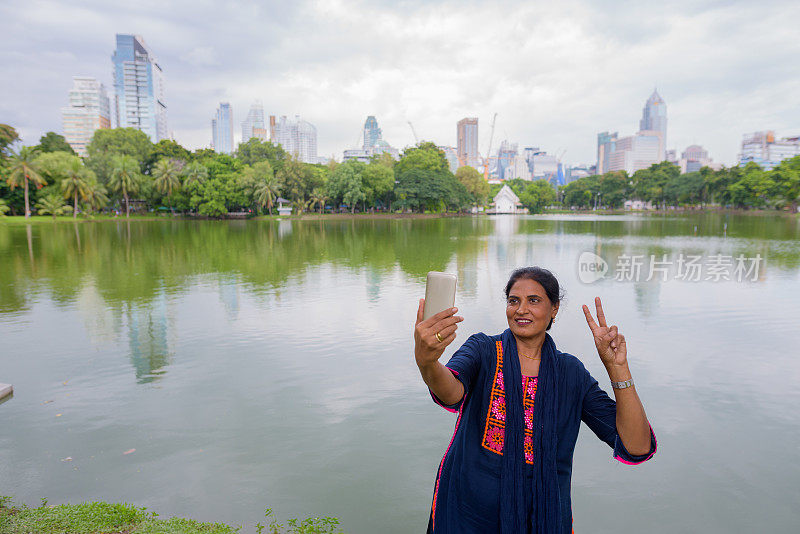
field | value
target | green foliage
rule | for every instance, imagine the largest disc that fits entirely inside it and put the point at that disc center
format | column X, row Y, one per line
column 167, row 149
column 22, row 171
column 475, row 184
column 255, row 150
column 649, row 184
column 299, row 180
column 4, row 209
column 311, row 525
column 97, row 517
column 534, row 195
column 8, row 135
column 425, row 156
column 125, row 178
column 52, row 204
column 108, row 144
column 77, row 182
column 53, row 142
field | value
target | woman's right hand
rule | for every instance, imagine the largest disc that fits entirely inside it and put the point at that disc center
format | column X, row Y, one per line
column 427, row 347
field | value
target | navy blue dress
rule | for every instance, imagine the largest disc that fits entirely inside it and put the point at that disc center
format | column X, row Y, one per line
column 466, row 493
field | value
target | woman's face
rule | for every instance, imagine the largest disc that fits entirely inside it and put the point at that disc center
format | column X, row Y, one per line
column 528, row 309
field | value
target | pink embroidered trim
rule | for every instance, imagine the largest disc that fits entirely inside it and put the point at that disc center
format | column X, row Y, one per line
column 626, row 462
column 494, row 431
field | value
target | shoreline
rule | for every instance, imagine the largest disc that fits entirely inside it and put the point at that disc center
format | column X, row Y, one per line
column 17, row 220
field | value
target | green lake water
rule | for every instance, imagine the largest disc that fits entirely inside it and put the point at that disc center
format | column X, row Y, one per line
column 256, row 364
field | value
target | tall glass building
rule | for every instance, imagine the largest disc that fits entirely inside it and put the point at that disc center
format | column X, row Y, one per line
column 654, row 117
column 88, row 110
column 222, row 129
column 254, row 125
column 467, row 142
column 372, row 134
column 139, row 88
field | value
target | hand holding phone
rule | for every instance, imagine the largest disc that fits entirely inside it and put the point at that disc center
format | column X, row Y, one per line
column 437, row 321
column 440, row 293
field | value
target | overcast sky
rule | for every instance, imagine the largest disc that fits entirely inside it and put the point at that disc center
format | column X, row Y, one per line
column 557, row 73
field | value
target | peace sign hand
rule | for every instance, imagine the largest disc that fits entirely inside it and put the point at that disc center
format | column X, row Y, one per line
column 610, row 343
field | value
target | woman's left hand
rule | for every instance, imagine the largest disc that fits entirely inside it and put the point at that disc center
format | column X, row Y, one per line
column 609, row 342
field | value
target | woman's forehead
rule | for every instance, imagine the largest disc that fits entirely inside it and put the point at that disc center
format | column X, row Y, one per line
column 527, row 286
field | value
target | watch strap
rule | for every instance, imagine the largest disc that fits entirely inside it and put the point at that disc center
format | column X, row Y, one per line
column 622, row 385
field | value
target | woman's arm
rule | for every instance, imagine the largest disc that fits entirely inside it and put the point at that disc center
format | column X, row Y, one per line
column 632, row 424
column 428, row 348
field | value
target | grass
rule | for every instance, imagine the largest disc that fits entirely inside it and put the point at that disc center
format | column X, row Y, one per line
column 106, row 518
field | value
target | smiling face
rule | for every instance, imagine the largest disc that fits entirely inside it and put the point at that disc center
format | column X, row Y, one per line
column 528, row 309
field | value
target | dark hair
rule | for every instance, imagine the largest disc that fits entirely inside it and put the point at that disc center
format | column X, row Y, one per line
column 543, row 277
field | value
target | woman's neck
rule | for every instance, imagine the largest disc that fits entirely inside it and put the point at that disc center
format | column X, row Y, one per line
column 530, row 347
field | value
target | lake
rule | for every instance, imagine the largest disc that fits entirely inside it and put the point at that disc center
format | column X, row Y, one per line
column 256, row 364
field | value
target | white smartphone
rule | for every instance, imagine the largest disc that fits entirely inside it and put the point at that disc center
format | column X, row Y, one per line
column 440, row 293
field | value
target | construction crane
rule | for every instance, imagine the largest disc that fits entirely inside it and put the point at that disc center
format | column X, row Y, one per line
column 489, row 151
column 414, row 132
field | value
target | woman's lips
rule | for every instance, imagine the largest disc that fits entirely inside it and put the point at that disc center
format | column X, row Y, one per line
column 523, row 322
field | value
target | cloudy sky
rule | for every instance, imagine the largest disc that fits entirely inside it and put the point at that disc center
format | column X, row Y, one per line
column 557, row 73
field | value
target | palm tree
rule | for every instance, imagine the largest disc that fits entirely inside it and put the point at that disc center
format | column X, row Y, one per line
column 266, row 190
column 194, row 173
column 3, row 206
column 75, row 183
column 52, row 204
column 166, row 177
column 318, row 197
column 125, row 179
column 96, row 194
column 23, row 170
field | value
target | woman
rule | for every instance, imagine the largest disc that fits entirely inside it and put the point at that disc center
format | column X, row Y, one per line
column 516, row 392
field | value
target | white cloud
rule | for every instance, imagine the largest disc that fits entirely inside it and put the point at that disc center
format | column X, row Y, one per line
column 556, row 73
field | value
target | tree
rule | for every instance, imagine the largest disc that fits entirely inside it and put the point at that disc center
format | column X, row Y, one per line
column 378, row 182
column 52, row 203
column 76, row 182
column 53, row 142
column 787, row 180
column 298, row 180
column 8, row 135
column 194, row 173
column 267, row 187
column 474, row 182
column 125, row 178
column 167, row 149
column 423, row 156
column 255, row 150
column 96, row 194
column 23, row 170
column 3, row 207
column 319, row 197
column 166, row 177
column 107, row 144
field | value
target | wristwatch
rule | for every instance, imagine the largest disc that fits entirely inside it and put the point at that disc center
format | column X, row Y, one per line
column 622, row 385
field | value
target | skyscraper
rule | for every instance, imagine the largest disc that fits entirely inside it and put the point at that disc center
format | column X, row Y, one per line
column 88, row 111
column 254, row 125
column 222, row 129
column 297, row 137
column 654, row 118
column 467, row 142
column 139, row 88
column 372, row 134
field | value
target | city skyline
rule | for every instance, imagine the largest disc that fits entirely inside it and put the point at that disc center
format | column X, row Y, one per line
column 589, row 73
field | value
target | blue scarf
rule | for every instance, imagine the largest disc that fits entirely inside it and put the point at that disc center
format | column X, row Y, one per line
column 543, row 495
